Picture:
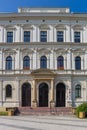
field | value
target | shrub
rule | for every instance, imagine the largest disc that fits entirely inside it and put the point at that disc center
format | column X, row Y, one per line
column 3, row 113
column 82, row 108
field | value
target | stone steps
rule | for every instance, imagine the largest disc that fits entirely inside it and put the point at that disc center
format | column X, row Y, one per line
column 45, row 111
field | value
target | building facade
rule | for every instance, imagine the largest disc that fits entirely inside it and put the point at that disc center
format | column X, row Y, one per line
column 43, row 58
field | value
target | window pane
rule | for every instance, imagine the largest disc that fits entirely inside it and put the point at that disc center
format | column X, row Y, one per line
column 9, row 63
column 8, row 91
column 9, row 37
column 76, row 36
column 43, row 36
column 78, row 63
column 78, row 91
column 60, row 63
column 26, row 62
column 26, row 36
column 43, row 62
column 59, row 36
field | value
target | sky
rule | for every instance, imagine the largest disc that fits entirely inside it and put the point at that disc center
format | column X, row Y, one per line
column 79, row 6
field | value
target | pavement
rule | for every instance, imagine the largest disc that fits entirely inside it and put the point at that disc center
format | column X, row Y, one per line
column 42, row 123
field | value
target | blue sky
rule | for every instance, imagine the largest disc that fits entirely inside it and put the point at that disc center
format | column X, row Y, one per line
column 74, row 5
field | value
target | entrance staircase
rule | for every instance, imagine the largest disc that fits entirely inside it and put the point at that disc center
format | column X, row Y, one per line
column 45, row 111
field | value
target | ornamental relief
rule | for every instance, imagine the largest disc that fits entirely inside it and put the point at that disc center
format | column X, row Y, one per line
column 9, row 52
column 77, row 27
column 26, row 51
column 60, row 26
column 44, row 51
column 44, row 26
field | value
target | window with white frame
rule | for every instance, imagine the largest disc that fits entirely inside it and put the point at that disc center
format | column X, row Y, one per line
column 77, row 37
column 60, row 36
column 43, row 36
column 10, row 37
column 26, row 36
column 9, row 63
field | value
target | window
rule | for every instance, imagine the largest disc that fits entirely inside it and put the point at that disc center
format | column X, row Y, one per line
column 60, row 36
column 8, row 91
column 43, row 36
column 9, row 37
column 78, row 63
column 78, row 91
column 43, row 62
column 9, row 63
column 60, row 63
column 26, row 36
column 76, row 36
column 26, row 62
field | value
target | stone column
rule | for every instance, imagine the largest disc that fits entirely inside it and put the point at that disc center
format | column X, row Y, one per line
column 4, row 96
column 34, row 95
column 18, row 98
column 52, row 103
column 34, row 59
column 1, row 93
column 69, row 60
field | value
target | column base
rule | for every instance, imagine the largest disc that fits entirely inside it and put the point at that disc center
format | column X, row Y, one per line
column 69, row 104
column 52, row 104
column 34, row 103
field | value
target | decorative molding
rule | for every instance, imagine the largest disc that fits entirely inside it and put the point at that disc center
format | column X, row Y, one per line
column 78, row 27
column 44, row 26
column 27, row 26
column 44, row 51
column 10, row 27
column 60, row 26
column 26, row 50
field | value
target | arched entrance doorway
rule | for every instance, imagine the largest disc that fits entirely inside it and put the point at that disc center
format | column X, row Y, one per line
column 60, row 95
column 26, row 94
column 43, row 95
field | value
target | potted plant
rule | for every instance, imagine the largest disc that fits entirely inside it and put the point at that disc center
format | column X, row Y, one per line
column 81, row 110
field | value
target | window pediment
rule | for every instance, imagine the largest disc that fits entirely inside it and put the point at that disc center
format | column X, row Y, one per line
column 44, row 26
column 27, row 26
column 78, row 50
column 9, row 51
column 10, row 27
column 60, row 26
column 26, row 50
column 42, row 72
column 60, row 50
column 44, row 51
column 77, row 27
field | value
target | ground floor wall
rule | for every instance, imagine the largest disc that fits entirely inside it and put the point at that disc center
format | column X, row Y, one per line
column 57, row 92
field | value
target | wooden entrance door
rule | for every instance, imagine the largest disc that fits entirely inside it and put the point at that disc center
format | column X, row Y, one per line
column 26, row 94
column 60, row 95
column 43, row 95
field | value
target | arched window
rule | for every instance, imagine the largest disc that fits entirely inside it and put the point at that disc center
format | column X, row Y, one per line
column 43, row 62
column 9, row 63
column 60, row 63
column 8, row 91
column 77, row 91
column 26, row 62
column 78, row 63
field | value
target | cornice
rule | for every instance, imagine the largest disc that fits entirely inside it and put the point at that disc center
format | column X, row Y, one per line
column 50, row 16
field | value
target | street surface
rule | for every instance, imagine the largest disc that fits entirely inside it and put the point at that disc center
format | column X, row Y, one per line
column 42, row 123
